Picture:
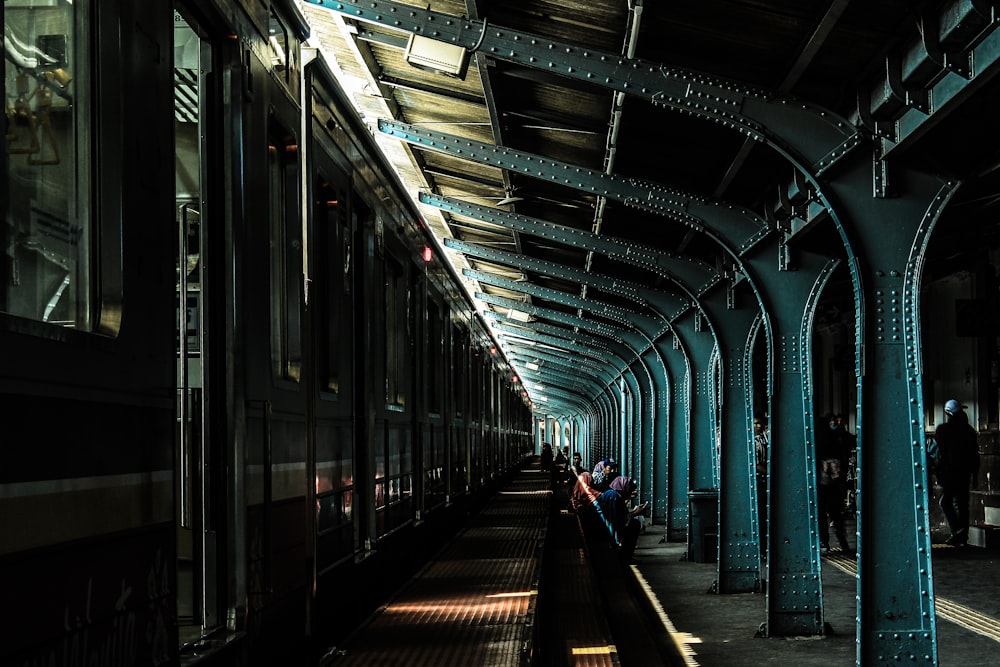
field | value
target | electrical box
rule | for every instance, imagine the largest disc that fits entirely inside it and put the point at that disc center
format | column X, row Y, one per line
column 435, row 56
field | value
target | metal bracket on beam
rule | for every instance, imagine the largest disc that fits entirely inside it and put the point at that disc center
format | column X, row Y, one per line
column 880, row 174
column 915, row 99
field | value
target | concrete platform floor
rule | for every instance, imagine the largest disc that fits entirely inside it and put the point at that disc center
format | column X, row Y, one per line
column 720, row 629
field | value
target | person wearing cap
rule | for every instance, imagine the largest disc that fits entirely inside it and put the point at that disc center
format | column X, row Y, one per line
column 957, row 467
column 604, row 472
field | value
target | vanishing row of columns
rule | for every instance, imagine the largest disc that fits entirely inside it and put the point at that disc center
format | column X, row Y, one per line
column 671, row 339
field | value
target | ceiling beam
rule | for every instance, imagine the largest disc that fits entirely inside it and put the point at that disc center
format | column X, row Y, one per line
column 813, row 138
column 736, row 228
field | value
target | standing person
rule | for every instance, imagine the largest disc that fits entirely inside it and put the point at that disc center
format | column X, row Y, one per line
column 847, row 441
column 559, row 464
column 760, row 453
column 831, row 467
column 852, row 465
column 957, row 467
column 546, row 458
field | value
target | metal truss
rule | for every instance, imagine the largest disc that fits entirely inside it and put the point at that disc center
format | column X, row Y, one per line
column 735, row 227
column 820, row 137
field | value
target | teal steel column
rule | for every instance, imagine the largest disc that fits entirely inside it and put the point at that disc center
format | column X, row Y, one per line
column 679, row 365
column 647, row 436
column 699, row 342
column 658, row 468
column 896, row 619
column 739, row 564
column 794, row 597
column 633, row 428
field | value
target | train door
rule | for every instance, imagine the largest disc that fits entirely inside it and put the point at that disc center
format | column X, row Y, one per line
column 197, row 548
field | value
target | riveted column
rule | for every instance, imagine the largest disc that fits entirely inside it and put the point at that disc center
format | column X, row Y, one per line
column 794, row 591
column 896, row 616
column 739, row 568
column 658, row 469
column 676, row 460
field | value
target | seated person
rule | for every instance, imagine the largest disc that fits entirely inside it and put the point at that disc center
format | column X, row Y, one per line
column 583, row 495
column 621, row 518
column 604, row 472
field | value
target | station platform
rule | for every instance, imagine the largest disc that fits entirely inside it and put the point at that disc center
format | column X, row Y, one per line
column 719, row 630
column 523, row 584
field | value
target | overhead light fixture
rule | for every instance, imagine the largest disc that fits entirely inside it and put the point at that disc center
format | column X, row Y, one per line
column 434, row 56
column 518, row 315
column 531, row 366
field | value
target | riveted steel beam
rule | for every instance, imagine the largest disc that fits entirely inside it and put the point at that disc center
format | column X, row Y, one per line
column 564, row 343
column 671, row 305
column 739, row 559
column 549, row 378
column 810, row 136
column 738, row 229
column 649, row 326
column 558, row 398
column 697, row 275
column 555, row 386
column 562, row 332
column 954, row 52
column 601, row 328
column 616, row 349
column 553, row 382
column 561, row 359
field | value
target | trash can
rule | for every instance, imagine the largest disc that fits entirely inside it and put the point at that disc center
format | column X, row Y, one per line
column 703, row 529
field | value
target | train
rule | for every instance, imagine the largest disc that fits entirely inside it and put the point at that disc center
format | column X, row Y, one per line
column 244, row 397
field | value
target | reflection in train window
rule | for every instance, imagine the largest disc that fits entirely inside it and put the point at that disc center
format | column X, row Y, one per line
column 396, row 308
column 46, row 261
column 286, row 251
column 330, row 216
column 435, row 357
column 277, row 41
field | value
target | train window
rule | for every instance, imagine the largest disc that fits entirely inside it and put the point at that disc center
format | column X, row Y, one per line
column 435, row 357
column 48, row 256
column 330, row 221
column 396, row 308
column 277, row 42
column 286, row 252
column 459, row 345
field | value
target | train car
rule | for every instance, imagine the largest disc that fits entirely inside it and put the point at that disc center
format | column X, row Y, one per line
column 245, row 399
